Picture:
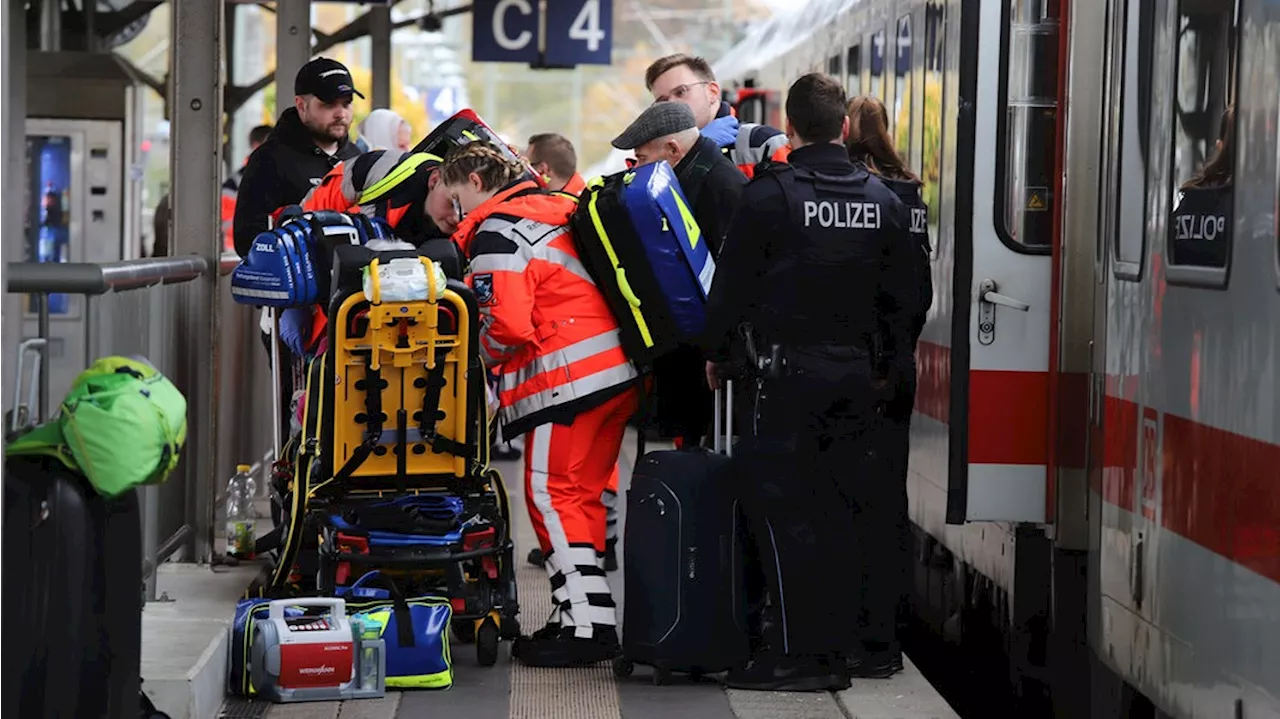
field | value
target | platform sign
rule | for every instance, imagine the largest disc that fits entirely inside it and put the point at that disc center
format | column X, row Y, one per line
column 579, row 32
column 504, row 31
column 442, row 103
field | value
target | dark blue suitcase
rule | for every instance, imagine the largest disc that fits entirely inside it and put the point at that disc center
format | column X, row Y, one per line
column 73, row 604
column 638, row 239
column 684, row 608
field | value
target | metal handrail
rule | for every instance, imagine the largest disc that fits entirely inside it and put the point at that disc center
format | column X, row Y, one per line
column 91, row 278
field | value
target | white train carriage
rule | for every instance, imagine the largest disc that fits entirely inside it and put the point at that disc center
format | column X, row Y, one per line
column 1097, row 438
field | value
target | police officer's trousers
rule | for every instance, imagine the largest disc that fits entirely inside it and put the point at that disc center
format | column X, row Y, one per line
column 879, row 498
column 811, row 430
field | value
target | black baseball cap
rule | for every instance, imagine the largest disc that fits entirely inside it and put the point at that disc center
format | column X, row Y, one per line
column 327, row 79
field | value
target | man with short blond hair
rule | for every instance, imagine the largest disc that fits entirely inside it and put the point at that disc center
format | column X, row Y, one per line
column 552, row 156
column 690, row 80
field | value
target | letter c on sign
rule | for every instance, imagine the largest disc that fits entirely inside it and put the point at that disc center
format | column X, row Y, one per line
column 499, row 31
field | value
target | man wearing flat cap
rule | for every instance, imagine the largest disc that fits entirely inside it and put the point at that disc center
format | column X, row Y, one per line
column 712, row 185
column 709, row 180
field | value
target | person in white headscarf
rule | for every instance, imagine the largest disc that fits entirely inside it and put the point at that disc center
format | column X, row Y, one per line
column 385, row 130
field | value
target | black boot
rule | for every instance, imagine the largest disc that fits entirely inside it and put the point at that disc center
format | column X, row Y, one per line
column 504, row 452
column 536, row 558
column 874, row 663
column 781, row 673
column 611, row 555
column 560, row 648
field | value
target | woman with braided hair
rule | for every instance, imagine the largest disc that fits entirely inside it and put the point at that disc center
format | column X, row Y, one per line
column 565, row 384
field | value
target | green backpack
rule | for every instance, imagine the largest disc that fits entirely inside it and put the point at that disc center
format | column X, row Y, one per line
column 123, row 424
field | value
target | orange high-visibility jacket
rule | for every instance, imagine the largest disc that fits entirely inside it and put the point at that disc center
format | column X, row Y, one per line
column 542, row 317
column 755, row 144
column 379, row 183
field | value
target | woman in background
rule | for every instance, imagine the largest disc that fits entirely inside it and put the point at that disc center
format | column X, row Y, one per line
column 384, row 130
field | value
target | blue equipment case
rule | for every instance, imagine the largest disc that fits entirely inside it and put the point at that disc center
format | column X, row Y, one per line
column 638, row 239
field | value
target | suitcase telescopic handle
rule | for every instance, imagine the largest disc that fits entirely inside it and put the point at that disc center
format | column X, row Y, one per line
column 22, row 413
column 723, row 419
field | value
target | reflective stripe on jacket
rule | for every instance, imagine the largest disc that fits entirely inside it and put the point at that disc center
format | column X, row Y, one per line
column 379, row 184
column 542, row 317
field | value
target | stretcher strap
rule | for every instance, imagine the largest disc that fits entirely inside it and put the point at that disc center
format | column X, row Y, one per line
column 373, row 423
column 431, row 409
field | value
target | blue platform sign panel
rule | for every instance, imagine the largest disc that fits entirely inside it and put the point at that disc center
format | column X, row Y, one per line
column 504, row 31
column 579, row 32
column 442, row 103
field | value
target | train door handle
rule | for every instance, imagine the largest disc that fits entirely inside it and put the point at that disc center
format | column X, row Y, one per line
column 988, row 298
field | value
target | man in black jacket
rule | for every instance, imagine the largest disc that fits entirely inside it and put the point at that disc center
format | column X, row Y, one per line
column 712, row 185
column 309, row 140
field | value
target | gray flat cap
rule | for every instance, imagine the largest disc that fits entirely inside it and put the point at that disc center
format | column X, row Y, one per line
column 658, row 120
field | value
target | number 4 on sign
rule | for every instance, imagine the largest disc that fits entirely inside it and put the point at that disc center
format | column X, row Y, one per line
column 586, row 26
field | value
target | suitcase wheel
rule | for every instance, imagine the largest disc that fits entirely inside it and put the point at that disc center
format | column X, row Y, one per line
column 623, row 667
column 487, row 637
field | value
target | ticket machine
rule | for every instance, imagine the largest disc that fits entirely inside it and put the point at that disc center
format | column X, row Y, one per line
column 81, row 191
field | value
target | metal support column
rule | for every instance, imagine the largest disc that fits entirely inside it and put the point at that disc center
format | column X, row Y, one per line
column 13, row 108
column 293, row 47
column 196, row 169
column 380, row 44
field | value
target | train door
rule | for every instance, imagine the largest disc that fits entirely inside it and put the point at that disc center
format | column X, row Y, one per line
column 1000, row 449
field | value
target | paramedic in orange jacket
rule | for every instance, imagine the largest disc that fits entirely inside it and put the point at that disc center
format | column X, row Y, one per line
column 552, row 155
column 566, row 385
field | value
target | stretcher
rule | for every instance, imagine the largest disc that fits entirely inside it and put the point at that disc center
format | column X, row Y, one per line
column 390, row 470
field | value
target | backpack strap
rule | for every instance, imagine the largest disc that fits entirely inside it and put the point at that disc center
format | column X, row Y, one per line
column 373, row 384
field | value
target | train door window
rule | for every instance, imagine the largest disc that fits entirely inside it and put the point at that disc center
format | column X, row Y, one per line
column 1201, row 224
column 877, row 87
column 902, row 89
column 853, row 72
column 931, row 125
column 834, row 68
column 1127, row 146
column 1028, row 126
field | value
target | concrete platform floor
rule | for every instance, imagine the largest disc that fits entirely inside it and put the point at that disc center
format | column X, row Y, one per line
column 510, row 690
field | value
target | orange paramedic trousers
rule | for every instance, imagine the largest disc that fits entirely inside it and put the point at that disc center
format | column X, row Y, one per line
column 566, row 469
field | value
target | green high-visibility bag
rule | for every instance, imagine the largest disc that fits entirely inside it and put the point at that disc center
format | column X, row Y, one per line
column 122, row 425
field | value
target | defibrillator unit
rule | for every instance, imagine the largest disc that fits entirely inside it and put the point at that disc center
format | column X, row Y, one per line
column 316, row 656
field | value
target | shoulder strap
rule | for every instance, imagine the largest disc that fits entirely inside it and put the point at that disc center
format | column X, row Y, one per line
column 401, row 172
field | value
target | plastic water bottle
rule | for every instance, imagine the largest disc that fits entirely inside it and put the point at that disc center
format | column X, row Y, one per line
column 240, row 516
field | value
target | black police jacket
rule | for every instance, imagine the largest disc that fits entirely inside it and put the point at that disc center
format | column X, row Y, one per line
column 909, row 192
column 1201, row 226
column 817, row 255
column 281, row 172
column 713, row 185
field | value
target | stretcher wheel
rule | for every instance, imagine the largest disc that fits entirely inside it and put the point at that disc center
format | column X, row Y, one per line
column 661, row 675
column 464, row 630
column 623, row 667
column 487, row 637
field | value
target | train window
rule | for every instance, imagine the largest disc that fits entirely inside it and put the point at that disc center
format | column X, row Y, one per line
column 877, row 65
column 1127, row 135
column 1028, row 127
column 902, row 89
column 931, row 130
column 1201, row 224
column 853, row 72
column 833, row 66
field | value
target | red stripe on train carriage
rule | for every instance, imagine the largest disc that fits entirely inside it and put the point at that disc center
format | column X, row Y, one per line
column 1220, row 489
column 1008, row 411
column 1217, row 488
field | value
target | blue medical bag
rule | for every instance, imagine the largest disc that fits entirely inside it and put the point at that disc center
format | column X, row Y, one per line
column 637, row 237
column 289, row 266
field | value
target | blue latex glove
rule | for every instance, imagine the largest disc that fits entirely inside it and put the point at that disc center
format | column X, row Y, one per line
column 722, row 130
column 295, row 329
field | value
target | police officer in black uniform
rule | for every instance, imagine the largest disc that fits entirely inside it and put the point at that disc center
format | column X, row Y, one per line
column 816, row 263
column 1202, row 222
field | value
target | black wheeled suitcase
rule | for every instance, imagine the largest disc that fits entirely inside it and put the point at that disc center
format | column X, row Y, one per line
column 683, row 608
column 73, row 610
